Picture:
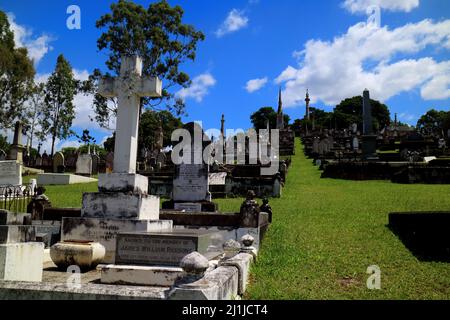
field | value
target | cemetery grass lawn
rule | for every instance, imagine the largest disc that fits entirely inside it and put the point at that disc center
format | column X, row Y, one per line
column 326, row 232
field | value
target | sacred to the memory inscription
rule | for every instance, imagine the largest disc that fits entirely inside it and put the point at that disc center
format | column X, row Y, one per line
column 161, row 248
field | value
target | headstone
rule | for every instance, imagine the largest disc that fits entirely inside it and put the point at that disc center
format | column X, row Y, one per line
column 38, row 161
column 191, row 180
column 10, row 173
column 46, row 160
column 95, row 163
column 315, row 146
column 166, row 249
column 84, row 165
column 354, row 128
column 355, row 143
column 58, row 163
column 2, row 155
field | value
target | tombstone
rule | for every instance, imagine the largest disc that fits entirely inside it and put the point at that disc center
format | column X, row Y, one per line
column 122, row 203
column 2, row 155
column 109, row 162
column 354, row 128
column 95, row 163
column 58, row 163
column 10, row 173
column 191, row 181
column 46, row 160
column 369, row 144
column 84, row 165
column 315, row 146
column 38, row 161
column 160, row 160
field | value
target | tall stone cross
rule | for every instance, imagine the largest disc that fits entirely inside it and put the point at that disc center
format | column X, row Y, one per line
column 367, row 114
column 129, row 88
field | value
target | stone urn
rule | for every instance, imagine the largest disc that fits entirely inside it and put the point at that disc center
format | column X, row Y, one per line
column 85, row 255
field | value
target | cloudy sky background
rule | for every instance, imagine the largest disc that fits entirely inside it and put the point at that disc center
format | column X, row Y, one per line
column 253, row 47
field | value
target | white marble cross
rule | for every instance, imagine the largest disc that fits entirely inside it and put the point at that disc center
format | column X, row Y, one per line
column 129, row 87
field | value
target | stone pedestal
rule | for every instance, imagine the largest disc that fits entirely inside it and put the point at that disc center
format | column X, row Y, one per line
column 21, row 261
column 123, row 182
column 369, row 147
column 84, row 255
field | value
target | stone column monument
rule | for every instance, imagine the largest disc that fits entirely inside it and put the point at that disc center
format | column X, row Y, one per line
column 369, row 140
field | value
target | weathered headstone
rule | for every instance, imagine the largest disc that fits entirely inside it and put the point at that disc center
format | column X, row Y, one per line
column 10, row 173
column 84, row 165
column 58, row 163
column 16, row 150
column 191, row 180
column 95, row 163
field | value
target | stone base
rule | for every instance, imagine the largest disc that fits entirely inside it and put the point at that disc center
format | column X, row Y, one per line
column 140, row 275
column 105, row 231
column 118, row 205
column 123, row 182
column 21, row 261
column 62, row 179
column 205, row 206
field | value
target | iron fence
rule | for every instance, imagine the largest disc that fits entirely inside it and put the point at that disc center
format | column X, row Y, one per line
column 16, row 198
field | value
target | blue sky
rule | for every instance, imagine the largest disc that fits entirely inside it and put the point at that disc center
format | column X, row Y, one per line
column 253, row 47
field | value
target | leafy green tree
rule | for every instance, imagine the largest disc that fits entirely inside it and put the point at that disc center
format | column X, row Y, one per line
column 35, row 112
column 350, row 111
column 4, row 145
column 16, row 77
column 59, row 111
column 160, row 37
column 260, row 117
column 434, row 121
column 150, row 123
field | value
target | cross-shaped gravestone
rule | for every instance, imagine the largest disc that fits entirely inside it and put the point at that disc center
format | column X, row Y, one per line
column 129, row 88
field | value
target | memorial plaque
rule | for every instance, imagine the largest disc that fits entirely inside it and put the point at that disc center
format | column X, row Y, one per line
column 188, row 207
column 166, row 248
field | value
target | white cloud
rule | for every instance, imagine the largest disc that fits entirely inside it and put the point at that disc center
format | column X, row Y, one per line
column 392, row 5
column 199, row 87
column 256, row 84
column 338, row 69
column 235, row 21
column 23, row 37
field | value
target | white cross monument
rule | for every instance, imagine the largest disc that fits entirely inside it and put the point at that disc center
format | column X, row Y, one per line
column 129, row 87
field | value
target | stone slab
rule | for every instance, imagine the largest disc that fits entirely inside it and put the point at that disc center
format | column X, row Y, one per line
column 218, row 178
column 166, row 248
column 10, row 173
column 21, row 261
column 11, row 218
column 123, row 182
column 118, row 205
column 140, row 275
column 60, row 291
column 62, row 179
column 17, row 234
column 105, row 231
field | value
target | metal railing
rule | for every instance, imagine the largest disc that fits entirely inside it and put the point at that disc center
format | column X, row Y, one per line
column 16, row 198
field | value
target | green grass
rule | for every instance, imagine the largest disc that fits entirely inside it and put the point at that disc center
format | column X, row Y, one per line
column 327, row 232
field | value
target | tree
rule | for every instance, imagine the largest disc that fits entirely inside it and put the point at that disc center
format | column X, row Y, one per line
column 260, row 117
column 86, row 138
column 16, row 76
column 35, row 113
column 350, row 111
column 59, row 111
column 434, row 121
column 159, row 36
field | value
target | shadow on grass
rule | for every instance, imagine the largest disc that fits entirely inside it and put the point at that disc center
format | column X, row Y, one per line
column 425, row 234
